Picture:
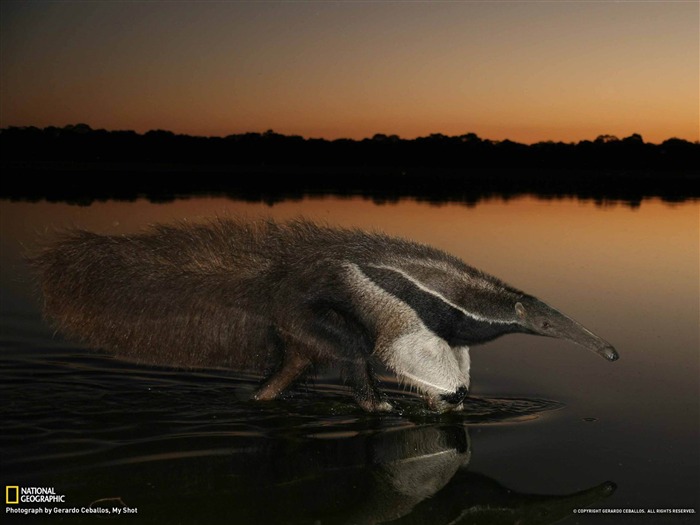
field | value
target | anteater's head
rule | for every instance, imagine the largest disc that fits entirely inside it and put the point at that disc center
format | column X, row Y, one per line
column 538, row 318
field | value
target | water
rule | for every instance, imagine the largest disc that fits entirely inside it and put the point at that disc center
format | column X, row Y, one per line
column 552, row 428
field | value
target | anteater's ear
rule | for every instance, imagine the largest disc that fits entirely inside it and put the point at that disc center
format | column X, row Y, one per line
column 520, row 310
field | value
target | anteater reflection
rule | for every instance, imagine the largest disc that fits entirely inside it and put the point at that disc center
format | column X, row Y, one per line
column 415, row 475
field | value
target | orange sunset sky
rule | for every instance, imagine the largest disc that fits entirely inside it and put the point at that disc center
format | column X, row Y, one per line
column 527, row 71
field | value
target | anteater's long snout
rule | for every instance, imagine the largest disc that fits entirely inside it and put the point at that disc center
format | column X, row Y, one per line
column 576, row 333
column 539, row 318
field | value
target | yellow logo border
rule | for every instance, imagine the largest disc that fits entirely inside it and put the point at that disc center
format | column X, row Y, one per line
column 7, row 494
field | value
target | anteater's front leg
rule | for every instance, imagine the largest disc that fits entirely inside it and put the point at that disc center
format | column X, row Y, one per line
column 358, row 373
column 293, row 366
column 462, row 355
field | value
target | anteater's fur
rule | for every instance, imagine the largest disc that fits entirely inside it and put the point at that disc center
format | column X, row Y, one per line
column 282, row 298
column 225, row 293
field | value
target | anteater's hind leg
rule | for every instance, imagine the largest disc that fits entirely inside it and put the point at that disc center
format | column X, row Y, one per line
column 293, row 366
column 326, row 333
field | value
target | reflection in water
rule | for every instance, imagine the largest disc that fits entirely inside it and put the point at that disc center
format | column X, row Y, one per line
column 475, row 499
column 188, row 447
column 414, row 475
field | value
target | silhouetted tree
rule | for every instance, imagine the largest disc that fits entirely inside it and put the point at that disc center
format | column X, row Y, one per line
column 468, row 152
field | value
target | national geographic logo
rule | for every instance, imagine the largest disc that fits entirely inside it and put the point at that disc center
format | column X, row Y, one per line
column 15, row 494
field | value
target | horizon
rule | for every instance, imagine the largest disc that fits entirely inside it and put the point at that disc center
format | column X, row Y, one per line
column 527, row 72
column 388, row 136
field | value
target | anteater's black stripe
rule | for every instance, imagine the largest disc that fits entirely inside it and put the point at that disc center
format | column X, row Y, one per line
column 439, row 317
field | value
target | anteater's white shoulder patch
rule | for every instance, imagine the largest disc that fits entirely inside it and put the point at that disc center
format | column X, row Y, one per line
column 404, row 343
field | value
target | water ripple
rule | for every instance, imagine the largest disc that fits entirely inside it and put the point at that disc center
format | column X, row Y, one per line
column 68, row 408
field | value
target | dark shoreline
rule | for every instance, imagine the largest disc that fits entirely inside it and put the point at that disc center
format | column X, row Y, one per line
column 85, row 182
column 79, row 164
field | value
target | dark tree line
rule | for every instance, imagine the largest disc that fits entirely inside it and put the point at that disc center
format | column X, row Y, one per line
column 80, row 143
column 79, row 164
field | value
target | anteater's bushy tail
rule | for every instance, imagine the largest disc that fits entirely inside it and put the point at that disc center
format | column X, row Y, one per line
column 176, row 295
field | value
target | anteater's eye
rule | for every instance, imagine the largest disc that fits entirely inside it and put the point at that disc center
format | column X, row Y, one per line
column 545, row 325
